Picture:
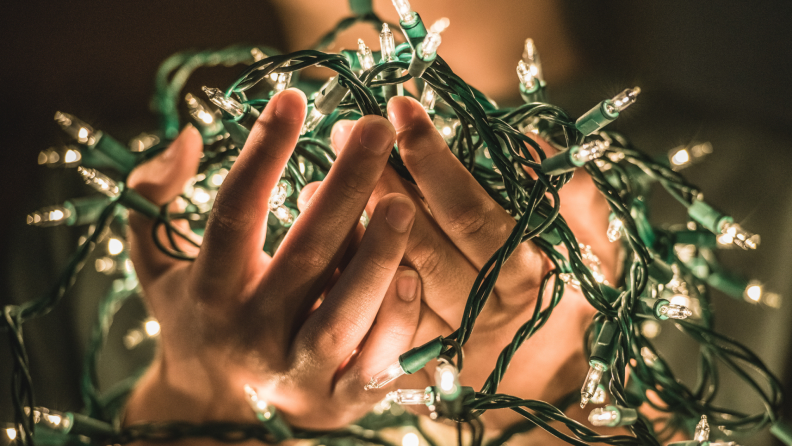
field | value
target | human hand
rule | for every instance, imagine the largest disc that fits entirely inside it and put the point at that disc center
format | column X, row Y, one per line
column 457, row 229
column 237, row 316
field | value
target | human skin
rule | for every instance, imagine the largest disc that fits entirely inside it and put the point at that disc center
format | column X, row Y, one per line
column 237, row 316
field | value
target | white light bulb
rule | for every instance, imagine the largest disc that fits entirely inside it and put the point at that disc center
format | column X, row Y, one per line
column 99, row 181
column 674, row 311
column 229, row 105
column 257, row 54
column 384, row 377
column 648, row 356
column 531, row 57
column 365, row 57
column 82, row 132
column 433, row 39
column 740, row 237
column 447, row 379
column 411, row 397
column 199, row 110
column 650, row 329
column 71, row 156
column 260, row 406
column 279, row 193
column 527, row 79
column 406, row 14
column 603, row 417
column 428, row 98
column 49, row 216
column 702, row 432
column 624, row 100
column 680, row 158
column 600, row 395
column 387, row 44
column 593, row 378
column 286, row 216
column 11, row 433
column 218, row 177
column 152, row 327
column 410, row 439
column 312, row 121
column 200, row 196
column 590, row 151
column 614, row 230
column 115, row 246
column 282, row 80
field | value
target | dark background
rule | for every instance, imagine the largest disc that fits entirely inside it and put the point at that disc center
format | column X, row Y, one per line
column 709, row 71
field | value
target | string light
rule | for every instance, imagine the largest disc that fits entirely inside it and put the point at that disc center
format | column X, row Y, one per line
column 576, row 156
column 612, row 416
column 702, row 431
column 408, row 363
column 406, row 15
column 410, row 439
column 606, row 111
column 228, row 105
column 203, row 116
column 428, row 98
column 108, row 150
column 99, row 181
column 387, row 44
column 615, row 227
column 412, row 397
column 531, row 58
column 365, row 56
column 426, row 52
column 68, row 156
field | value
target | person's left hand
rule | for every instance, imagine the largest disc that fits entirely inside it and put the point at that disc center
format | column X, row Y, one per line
column 457, row 228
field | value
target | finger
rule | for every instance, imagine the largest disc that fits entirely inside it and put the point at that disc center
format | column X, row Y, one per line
column 231, row 255
column 340, row 134
column 446, row 274
column 476, row 224
column 394, row 328
column 303, row 201
column 315, row 244
column 338, row 326
column 160, row 181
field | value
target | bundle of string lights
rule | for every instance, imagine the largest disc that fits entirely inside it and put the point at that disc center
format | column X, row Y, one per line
column 668, row 271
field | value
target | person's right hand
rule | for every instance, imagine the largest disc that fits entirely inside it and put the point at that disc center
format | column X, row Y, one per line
column 235, row 316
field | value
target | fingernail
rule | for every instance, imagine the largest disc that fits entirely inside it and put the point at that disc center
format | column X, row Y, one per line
column 290, row 105
column 400, row 110
column 407, row 285
column 377, row 134
column 400, row 213
column 340, row 134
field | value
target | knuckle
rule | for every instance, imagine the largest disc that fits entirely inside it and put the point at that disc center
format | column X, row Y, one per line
column 229, row 217
column 426, row 259
column 354, row 185
column 311, row 257
column 469, row 220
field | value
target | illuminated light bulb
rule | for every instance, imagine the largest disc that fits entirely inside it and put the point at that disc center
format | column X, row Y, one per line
column 527, row 79
column 702, row 432
column 71, row 156
column 447, row 131
column 406, row 14
column 282, row 80
column 447, row 380
column 772, row 300
column 650, row 329
column 199, row 111
column 624, row 99
column 200, row 196
column 384, row 377
column 286, row 216
column 614, row 230
column 218, row 177
column 612, row 416
column 312, row 121
column 412, row 397
column 428, row 98
column 680, row 158
column 648, row 356
column 105, row 265
column 674, row 311
column 11, row 433
column 152, row 327
column 364, row 55
column 115, row 246
column 279, row 193
column 531, row 57
column 257, row 54
column 364, row 219
column 588, row 151
column 49, row 216
column 433, row 39
column 387, row 44
column 753, row 292
column 740, row 237
column 262, row 409
column 99, row 181
column 228, row 105
column 77, row 129
column 143, row 142
column 596, row 369
column 600, row 395
column 410, row 439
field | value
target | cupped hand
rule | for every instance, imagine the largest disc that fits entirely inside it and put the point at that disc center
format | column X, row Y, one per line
column 457, row 229
column 237, row 316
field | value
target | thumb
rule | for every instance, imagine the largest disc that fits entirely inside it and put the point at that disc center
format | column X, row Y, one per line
column 161, row 180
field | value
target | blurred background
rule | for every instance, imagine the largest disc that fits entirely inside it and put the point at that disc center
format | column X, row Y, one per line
column 709, row 71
